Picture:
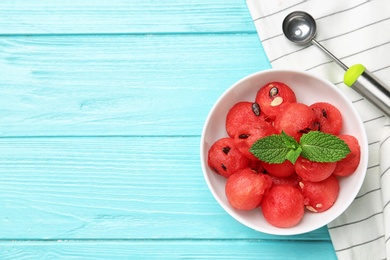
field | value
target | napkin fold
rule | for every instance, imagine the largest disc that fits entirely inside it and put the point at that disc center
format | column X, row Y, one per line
column 355, row 32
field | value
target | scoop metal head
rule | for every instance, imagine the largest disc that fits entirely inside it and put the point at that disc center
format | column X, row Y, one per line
column 299, row 27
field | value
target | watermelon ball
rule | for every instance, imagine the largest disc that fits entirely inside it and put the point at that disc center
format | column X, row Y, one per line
column 247, row 135
column 295, row 120
column 245, row 189
column 243, row 113
column 283, row 169
column 225, row 159
column 283, row 206
column 272, row 96
column 348, row 165
column 314, row 171
column 328, row 118
column 320, row 196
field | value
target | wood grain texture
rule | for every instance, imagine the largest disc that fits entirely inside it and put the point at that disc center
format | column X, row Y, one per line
column 102, row 104
column 123, row 16
column 167, row 249
column 119, row 85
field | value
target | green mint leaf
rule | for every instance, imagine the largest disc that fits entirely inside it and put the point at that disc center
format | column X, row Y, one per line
column 271, row 149
column 315, row 146
column 321, row 147
column 293, row 155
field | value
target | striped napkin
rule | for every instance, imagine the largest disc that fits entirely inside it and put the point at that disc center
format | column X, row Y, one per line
column 355, row 32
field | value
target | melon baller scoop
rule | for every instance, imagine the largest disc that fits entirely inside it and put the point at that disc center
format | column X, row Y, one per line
column 300, row 27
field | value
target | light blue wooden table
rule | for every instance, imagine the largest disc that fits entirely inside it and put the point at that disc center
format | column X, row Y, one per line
column 102, row 105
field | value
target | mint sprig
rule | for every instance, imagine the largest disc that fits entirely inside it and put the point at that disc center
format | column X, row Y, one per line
column 315, row 146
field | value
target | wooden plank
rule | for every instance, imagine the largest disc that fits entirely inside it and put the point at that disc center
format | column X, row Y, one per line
column 123, row 16
column 112, row 188
column 183, row 249
column 118, row 85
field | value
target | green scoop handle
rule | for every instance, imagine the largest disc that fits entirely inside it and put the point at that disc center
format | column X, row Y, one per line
column 369, row 86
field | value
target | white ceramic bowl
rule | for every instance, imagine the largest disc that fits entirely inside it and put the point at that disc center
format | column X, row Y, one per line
column 308, row 89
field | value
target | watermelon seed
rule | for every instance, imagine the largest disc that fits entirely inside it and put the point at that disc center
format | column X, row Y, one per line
column 277, row 101
column 311, row 208
column 324, row 113
column 226, row 149
column 256, row 108
column 273, row 92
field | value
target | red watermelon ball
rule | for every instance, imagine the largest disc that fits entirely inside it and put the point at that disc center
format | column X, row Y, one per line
column 295, row 119
column 225, row 159
column 320, row 196
column 247, row 135
column 349, row 164
column 314, row 171
column 243, row 113
column 283, row 169
column 328, row 118
column 272, row 96
column 283, row 206
column 245, row 189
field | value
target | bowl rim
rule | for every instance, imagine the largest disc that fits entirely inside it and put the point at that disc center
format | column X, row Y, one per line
column 203, row 153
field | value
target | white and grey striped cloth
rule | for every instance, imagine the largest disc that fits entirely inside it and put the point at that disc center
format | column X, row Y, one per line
column 356, row 32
